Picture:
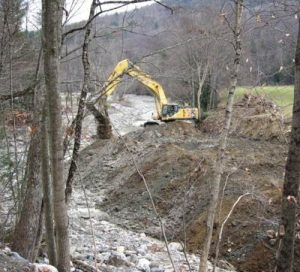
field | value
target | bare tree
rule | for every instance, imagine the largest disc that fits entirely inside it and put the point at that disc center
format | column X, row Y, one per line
column 212, row 209
column 28, row 230
column 82, row 101
column 104, row 130
column 52, row 13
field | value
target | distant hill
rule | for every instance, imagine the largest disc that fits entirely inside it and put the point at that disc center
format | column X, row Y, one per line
column 177, row 42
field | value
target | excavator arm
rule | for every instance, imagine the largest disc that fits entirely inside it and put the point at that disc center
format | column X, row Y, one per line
column 165, row 111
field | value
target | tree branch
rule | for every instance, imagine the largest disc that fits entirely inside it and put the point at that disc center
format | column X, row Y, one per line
column 27, row 91
column 100, row 4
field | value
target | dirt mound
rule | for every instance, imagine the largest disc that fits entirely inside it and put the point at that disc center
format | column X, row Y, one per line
column 254, row 117
column 177, row 161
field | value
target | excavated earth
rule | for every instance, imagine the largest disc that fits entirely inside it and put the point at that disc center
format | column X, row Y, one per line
column 177, row 161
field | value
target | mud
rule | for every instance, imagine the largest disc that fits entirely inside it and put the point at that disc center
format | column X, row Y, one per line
column 177, row 161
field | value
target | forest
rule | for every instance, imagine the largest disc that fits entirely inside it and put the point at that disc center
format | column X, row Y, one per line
column 154, row 135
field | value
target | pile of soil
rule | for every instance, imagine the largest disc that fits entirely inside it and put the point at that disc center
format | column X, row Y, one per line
column 177, row 161
column 254, row 117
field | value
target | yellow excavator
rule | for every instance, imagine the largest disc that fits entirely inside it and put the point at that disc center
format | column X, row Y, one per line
column 165, row 111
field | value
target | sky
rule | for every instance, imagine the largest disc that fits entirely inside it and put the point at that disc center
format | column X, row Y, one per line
column 79, row 11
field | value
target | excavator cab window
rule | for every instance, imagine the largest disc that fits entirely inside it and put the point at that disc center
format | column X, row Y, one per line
column 169, row 110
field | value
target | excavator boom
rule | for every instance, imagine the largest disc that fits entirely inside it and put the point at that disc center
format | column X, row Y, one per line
column 165, row 111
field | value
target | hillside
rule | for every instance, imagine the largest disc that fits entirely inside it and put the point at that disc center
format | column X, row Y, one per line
column 177, row 42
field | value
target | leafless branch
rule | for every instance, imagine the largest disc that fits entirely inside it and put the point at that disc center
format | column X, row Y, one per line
column 101, row 4
column 222, row 228
column 27, row 91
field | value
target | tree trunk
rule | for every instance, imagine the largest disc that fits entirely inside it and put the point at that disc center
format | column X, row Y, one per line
column 290, row 193
column 26, row 230
column 52, row 12
column 47, row 189
column 201, row 80
column 219, row 166
column 104, row 129
column 213, row 92
column 82, row 102
column 39, row 234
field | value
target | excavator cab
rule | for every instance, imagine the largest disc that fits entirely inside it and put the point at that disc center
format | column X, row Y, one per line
column 169, row 110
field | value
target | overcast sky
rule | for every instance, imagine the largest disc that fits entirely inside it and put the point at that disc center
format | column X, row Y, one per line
column 79, row 11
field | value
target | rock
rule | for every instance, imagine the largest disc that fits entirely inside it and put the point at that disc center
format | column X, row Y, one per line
column 130, row 252
column 78, row 256
column 117, row 259
column 10, row 262
column 175, row 246
column 90, row 257
column 143, row 265
column 86, row 213
column 44, row 268
column 6, row 250
column 143, row 235
column 157, row 269
column 154, row 267
column 103, row 248
column 103, row 257
column 120, row 249
column 133, row 259
column 16, row 256
column 142, row 250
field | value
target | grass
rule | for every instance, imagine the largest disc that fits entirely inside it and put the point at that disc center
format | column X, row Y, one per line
column 281, row 95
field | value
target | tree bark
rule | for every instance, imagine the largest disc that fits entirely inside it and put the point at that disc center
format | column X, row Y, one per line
column 219, row 166
column 26, row 230
column 39, row 234
column 290, row 193
column 47, row 191
column 52, row 13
